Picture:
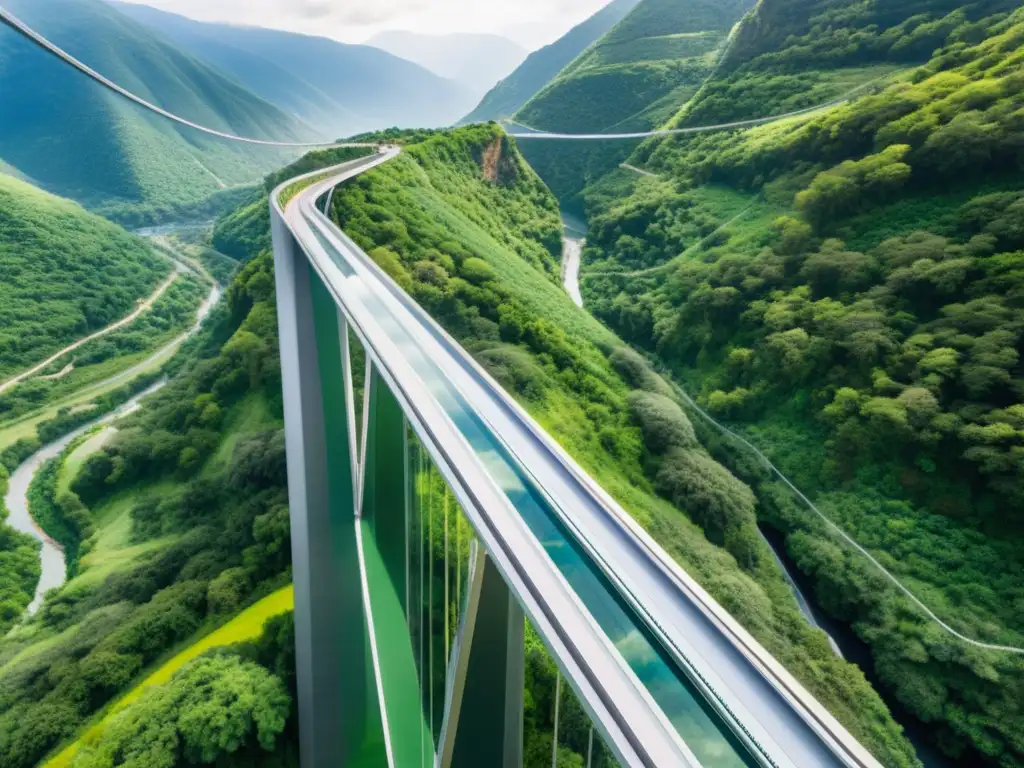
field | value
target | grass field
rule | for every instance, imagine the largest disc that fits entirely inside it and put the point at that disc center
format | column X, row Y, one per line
column 113, row 549
column 248, row 625
column 250, row 416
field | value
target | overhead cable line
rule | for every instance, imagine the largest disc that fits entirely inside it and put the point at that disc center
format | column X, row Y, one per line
column 536, row 134
column 23, row 29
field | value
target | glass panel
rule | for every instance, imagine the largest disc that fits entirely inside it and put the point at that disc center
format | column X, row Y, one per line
column 578, row 742
column 357, row 357
column 440, row 540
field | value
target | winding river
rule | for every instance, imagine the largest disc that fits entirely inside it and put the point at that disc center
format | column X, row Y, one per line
column 54, row 567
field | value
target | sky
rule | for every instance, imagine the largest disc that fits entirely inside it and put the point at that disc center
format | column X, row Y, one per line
column 531, row 23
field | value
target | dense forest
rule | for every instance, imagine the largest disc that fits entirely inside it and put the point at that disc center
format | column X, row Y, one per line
column 846, row 289
column 64, row 274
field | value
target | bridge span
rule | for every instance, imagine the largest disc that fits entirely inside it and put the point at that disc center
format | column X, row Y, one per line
column 432, row 517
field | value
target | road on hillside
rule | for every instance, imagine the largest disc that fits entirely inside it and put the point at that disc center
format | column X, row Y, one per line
column 126, row 320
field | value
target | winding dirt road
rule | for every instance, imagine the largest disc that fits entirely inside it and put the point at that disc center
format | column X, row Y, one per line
column 127, row 320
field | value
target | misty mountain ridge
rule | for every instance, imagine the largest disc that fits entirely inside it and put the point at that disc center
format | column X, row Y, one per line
column 300, row 74
column 475, row 61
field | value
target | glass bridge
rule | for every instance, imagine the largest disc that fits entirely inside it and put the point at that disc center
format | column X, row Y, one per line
column 465, row 594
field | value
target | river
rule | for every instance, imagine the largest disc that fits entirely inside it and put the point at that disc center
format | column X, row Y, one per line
column 575, row 230
column 844, row 642
column 54, row 567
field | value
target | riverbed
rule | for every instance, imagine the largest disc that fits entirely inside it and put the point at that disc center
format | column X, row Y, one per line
column 571, row 269
column 54, row 566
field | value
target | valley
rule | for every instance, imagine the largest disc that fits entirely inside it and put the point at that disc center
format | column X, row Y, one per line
column 781, row 329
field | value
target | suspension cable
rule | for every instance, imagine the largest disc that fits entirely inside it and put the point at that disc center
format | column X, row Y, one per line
column 23, row 29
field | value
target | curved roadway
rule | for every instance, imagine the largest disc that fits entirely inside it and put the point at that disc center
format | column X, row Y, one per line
column 765, row 705
column 143, row 306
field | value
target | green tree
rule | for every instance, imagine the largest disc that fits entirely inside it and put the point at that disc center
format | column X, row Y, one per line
column 210, row 708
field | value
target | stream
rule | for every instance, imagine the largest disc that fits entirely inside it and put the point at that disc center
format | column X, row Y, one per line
column 54, row 567
column 574, row 238
column 843, row 640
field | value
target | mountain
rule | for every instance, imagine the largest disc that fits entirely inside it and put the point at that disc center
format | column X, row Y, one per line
column 340, row 89
column 638, row 74
column 634, row 78
column 846, row 290
column 541, row 67
column 77, row 139
column 476, row 62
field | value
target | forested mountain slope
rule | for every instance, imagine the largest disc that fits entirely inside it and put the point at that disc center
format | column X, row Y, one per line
column 634, row 78
column 79, row 140
column 788, row 56
column 542, row 66
column 64, row 274
column 476, row 242
column 847, row 291
column 638, row 74
column 339, row 89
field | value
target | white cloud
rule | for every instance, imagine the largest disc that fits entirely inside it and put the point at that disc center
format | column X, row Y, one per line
column 535, row 22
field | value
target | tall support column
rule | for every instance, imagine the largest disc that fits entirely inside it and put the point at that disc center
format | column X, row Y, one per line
column 484, row 717
column 334, row 698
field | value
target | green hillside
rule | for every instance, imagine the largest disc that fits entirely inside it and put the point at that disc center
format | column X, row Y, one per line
column 64, row 274
column 542, row 66
column 635, row 78
column 790, row 56
column 299, row 74
column 76, row 139
column 846, row 291
column 638, row 74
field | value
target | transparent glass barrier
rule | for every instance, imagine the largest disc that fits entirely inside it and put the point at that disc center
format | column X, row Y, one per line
column 701, row 727
column 558, row 733
column 440, row 544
